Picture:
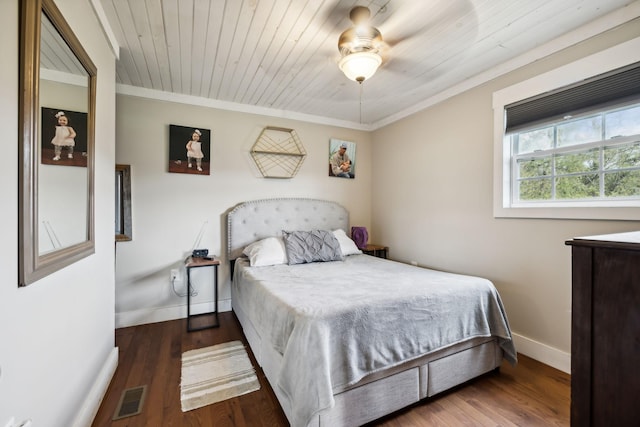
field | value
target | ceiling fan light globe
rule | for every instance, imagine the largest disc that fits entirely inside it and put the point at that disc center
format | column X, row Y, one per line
column 360, row 66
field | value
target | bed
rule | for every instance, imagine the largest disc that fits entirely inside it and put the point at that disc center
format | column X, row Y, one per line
column 345, row 338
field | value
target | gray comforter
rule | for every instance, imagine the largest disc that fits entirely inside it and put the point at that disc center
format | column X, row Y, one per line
column 336, row 322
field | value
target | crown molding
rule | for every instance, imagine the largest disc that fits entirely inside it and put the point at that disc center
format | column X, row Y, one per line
column 592, row 29
column 235, row 106
column 106, row 28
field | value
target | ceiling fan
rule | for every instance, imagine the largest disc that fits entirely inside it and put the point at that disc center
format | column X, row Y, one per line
column 363, row 50
column 360, row 46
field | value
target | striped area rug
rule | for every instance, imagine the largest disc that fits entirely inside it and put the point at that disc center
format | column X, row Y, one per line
column 216, row 373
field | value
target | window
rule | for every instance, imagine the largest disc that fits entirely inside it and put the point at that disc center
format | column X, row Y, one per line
column 594, row 157
column 567, row 143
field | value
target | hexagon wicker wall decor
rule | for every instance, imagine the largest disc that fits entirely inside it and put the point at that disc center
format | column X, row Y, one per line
column 278, row 152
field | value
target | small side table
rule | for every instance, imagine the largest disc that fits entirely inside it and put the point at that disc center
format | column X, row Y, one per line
column 379, row 251
column 199, row 263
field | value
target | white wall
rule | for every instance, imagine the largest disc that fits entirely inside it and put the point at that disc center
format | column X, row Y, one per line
column 169, row 209
column 56, row 335
column 443, row 216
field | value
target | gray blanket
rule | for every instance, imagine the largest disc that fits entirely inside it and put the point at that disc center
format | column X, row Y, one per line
column 336, row 322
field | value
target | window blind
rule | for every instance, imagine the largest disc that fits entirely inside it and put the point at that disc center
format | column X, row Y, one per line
column 615, row 87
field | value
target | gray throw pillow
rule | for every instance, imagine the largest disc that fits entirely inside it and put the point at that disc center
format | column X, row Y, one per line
column 311, row 246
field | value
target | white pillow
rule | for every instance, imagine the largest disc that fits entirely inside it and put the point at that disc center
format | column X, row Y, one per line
column 347, row 245
column 269, row 251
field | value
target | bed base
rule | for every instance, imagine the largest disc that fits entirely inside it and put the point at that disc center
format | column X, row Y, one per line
column 387, row 391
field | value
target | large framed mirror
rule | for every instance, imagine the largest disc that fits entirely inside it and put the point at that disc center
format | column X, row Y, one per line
column 57, row 119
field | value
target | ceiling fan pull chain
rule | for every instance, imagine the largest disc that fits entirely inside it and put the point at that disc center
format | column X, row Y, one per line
column 360, row 102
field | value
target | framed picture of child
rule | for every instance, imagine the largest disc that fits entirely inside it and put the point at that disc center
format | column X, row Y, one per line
column 342, row 158
column 189, row 150
column 64, row 137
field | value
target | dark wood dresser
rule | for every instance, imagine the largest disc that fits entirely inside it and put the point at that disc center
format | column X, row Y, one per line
column 605, row 330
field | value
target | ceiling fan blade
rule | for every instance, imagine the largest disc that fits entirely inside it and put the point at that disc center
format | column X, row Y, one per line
column 400, row 20
column 384, row 50
column 406, row 20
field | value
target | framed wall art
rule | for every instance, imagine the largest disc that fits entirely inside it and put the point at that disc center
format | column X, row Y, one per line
column 189, row 150
column 342, row 158
column 64, row 137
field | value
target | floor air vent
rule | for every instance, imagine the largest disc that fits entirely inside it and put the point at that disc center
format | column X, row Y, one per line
column 130, row 402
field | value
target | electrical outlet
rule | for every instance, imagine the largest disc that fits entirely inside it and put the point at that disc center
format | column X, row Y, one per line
column 175, row 275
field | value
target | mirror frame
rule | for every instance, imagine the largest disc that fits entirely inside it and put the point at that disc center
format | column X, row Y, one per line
column 123, row 203
column 33, row 266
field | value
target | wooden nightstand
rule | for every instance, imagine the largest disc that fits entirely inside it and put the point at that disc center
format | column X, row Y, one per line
column 376, row 250
column 199, row 263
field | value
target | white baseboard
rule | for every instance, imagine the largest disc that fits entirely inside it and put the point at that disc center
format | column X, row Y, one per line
column 162, row 314
column 91, row 404
column 543, row 353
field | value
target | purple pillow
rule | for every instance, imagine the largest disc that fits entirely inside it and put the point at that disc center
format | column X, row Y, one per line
column 360, row 236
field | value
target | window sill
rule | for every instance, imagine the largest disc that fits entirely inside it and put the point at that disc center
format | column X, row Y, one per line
column 618, row 213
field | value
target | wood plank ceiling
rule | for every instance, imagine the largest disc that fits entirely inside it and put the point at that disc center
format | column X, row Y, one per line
column 282, row 54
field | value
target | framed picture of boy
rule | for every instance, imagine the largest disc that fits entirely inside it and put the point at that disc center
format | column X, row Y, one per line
column 342, row 158
column 189, row 150
column 64, row 137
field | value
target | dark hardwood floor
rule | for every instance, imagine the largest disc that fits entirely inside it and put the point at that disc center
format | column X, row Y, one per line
column 529, row 394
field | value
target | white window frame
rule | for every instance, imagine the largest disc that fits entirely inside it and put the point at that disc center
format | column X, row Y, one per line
column 503, row 205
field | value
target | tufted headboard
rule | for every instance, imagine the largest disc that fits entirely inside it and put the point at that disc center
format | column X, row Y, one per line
column 258, row 219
